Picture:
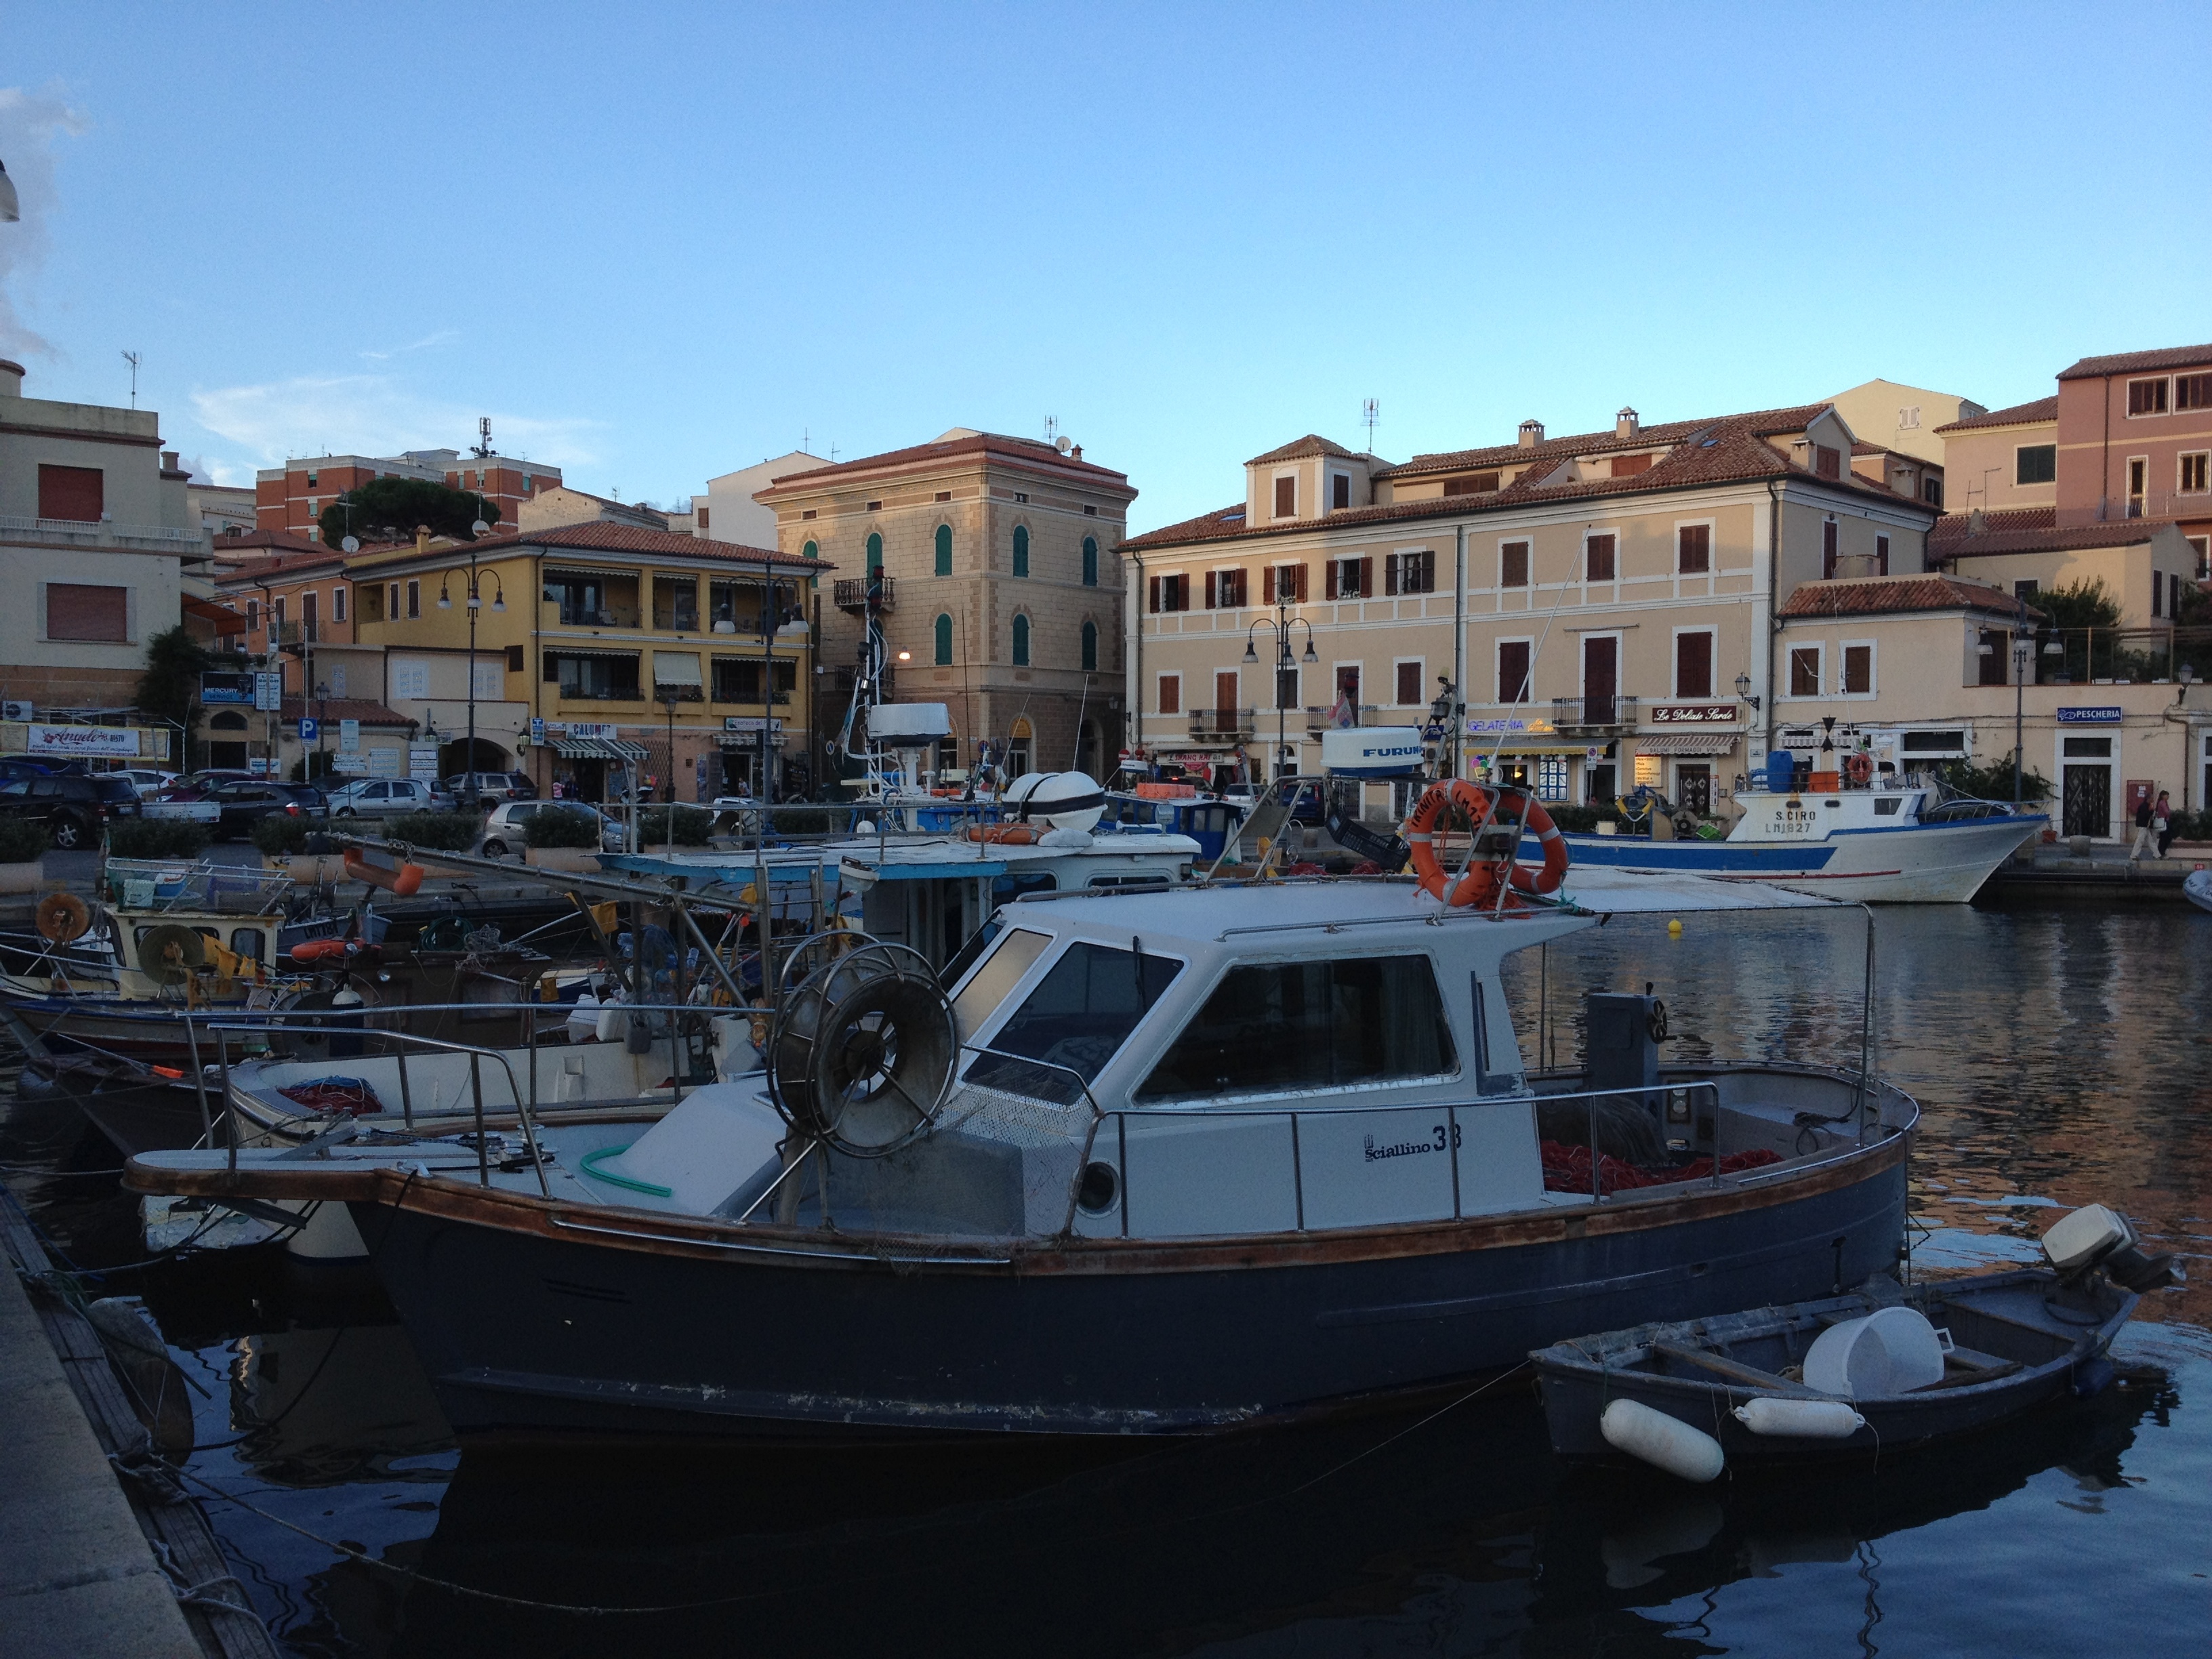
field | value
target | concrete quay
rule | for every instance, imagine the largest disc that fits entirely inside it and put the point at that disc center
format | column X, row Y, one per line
column 2106, row 875
column 77, row 1574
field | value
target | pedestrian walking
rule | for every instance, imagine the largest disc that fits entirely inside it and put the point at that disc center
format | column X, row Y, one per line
column 2144, row 847
column 2162, row 821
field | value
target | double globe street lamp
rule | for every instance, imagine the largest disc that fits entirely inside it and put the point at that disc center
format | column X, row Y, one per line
column 475, row 604
column 1286, row 670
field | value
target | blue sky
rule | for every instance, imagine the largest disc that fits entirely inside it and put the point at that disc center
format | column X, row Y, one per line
column 655, row 243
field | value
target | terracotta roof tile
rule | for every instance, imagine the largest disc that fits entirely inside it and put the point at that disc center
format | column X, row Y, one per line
column 1867, row 596
column 1760, row 423
column 2138, row 362
column 1024, row 451
column 1312, row 444
column 2030, row 530
column 2026, row 414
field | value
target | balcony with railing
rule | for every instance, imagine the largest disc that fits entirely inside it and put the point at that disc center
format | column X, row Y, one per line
column 860, row 593
column 1324, row 718
column 1594, row 711
column 581, row 613
column 1223, row 722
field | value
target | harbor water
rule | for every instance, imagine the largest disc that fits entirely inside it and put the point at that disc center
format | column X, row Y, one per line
column 2062, row 1057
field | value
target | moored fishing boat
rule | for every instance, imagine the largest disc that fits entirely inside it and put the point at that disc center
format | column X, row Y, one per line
column 1155, row 1161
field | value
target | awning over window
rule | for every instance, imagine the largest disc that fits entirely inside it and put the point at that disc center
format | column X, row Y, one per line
column 588, row 651
column 676, row 668
column 555, row 572
column 1687, row 744
column 621, row 749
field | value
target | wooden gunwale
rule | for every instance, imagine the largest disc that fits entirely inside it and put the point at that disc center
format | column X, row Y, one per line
column 658, row 1233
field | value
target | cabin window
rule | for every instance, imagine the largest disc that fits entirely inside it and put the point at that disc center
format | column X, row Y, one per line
column 1077, row 1018
column 1271, row 1028
column 246, row 942
column 996, row 977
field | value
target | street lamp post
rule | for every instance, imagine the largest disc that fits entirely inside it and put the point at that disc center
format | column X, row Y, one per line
column 474, row 603
column 2023, row 662
column 1286, row 670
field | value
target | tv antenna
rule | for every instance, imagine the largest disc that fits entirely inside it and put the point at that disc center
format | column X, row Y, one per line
column 133, row 358
column 483, row 451
column 1051, row 428
column 1370, row 413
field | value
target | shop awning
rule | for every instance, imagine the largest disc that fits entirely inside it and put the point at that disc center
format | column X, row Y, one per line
column 676, row 668
column 621, row 749
column 1688, row 744
column 1517, row 751
column 590, row 651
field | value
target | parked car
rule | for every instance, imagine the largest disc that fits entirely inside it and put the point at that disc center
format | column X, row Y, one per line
column 199, row 785
column 490, row 786
column 144, row 778
column 15, row 767
column 245, row 804
column 505, row 831
column 378, row 797
column 74, row 810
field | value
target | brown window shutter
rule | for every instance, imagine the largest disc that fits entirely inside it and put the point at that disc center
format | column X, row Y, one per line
column 1329, row 580
column 1268, row 586
column 1156, row 595
column 1390, row 573
column 514, row 660
column 77, row 611
column 1367, row 577
column 1286, row 498
column 73, row 493
column 1301, row 571
column 1512, row 670
column 548, row 669
column 1171, row 694
column 1210, row 591
column 1693, row 664
column 1881, row 556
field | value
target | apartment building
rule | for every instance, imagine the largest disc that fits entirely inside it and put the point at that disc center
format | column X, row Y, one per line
column 990, row 565
column 728, row 512
column 292, row 497
column 1619, row 591
column 2126, row 439
column 97, row 532
column 1903, row 420
column 599, row 646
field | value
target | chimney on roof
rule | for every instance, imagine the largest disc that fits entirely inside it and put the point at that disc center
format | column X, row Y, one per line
column 1532, row 434
column 169, row 461
column 1626, row 424
column 1077, row 452
column 11, row 379
column 1977, row 522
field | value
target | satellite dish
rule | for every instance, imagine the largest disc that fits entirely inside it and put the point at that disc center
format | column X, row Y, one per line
column 350, row 545
column 861, row 1055
column 61, row 917
column 169, row 951
column 1063, row 445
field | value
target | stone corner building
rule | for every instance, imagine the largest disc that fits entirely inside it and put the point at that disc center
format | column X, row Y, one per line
column 1001, row 592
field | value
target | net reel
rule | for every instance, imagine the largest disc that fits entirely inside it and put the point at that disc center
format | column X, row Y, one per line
column 62, row 918
column 861, row 1054
column 169, row 952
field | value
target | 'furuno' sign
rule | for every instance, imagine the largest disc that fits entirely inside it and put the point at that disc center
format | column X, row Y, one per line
column 1692, row 714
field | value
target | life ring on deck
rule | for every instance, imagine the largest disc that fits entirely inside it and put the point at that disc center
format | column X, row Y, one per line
column 1858, row 770
column 1011, row 834
column 1480, row 882
column 324, row 950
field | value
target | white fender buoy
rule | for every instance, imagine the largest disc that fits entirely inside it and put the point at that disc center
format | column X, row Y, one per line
column 1661, row 1441
column 1800, row 1419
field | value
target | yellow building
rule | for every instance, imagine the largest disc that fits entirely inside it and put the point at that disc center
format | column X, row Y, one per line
column 598, row 646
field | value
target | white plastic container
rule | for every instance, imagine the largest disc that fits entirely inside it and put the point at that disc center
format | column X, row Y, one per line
column 1886, row 1352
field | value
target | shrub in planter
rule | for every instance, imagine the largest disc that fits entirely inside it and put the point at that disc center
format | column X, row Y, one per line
column 20, row 841
column 800, row 820
column 442, row 832
column 562, row 826
column 156, row 838
column 282, row 835
column 683, row 826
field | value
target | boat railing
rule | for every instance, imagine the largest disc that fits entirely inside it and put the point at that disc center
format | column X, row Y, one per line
column 1678, row 1105
column 222, row 1027
column 194, row 885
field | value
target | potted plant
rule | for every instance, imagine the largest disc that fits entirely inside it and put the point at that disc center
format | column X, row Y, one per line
column 562, row 838
column 670, row 827
column 299, row 848
column 22, row 844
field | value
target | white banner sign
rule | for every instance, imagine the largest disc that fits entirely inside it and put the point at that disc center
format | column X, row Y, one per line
column 350, row 762
column 104, row 741
column 422, row 761
column 349, row 735
column 383, row 763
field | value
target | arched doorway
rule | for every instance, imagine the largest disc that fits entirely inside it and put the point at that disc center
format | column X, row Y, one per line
column 228, row 749
column 453, row 758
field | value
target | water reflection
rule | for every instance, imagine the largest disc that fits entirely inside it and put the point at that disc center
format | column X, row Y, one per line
column 2058, row 1059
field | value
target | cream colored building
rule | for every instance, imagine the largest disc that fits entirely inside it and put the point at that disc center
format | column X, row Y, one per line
column 999, row 591
column 1907, row 420
column 96, row 528
column 728, row 512
column 2002, row 459
column 1620, row 593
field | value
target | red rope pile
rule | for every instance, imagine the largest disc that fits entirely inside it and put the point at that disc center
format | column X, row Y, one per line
column 1567, row 1169
column 349, row 1095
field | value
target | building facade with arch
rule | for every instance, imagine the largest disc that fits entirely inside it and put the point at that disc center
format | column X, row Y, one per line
column 990, row 562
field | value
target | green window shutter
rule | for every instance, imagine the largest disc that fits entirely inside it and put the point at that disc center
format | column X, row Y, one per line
column 944, row 550
column 875, row 553
column 809, row 551
column 1020, row 641
column 1021, row 550
column 1091, row 562
column 1091, row 645
column 944, row 642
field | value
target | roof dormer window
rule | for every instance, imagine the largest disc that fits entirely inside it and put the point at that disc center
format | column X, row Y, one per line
column 1286, row 496
column 1339, row 496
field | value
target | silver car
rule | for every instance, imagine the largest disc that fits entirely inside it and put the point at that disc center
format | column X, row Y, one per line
column 380, row 798
column 505, row 832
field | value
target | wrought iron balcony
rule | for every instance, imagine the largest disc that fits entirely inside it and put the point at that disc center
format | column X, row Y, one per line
column 1222, row 722
column 1598, row 712
column 862, row 594
column 1323, row 718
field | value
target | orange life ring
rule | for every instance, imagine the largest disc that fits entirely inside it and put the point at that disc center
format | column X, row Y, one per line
column 1859, row 769
column 1479, row 883
column 1011, row 835
column 323, row 949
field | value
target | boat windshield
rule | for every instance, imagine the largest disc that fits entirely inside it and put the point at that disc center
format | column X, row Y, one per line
column 1077, row 1017
column 999, row 975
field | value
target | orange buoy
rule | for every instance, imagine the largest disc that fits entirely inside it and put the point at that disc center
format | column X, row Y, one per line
column 377, row 870
column 1010, row 835
column 323, row 949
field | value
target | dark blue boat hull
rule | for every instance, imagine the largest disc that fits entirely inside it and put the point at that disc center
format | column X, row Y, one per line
column 527, row 1320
